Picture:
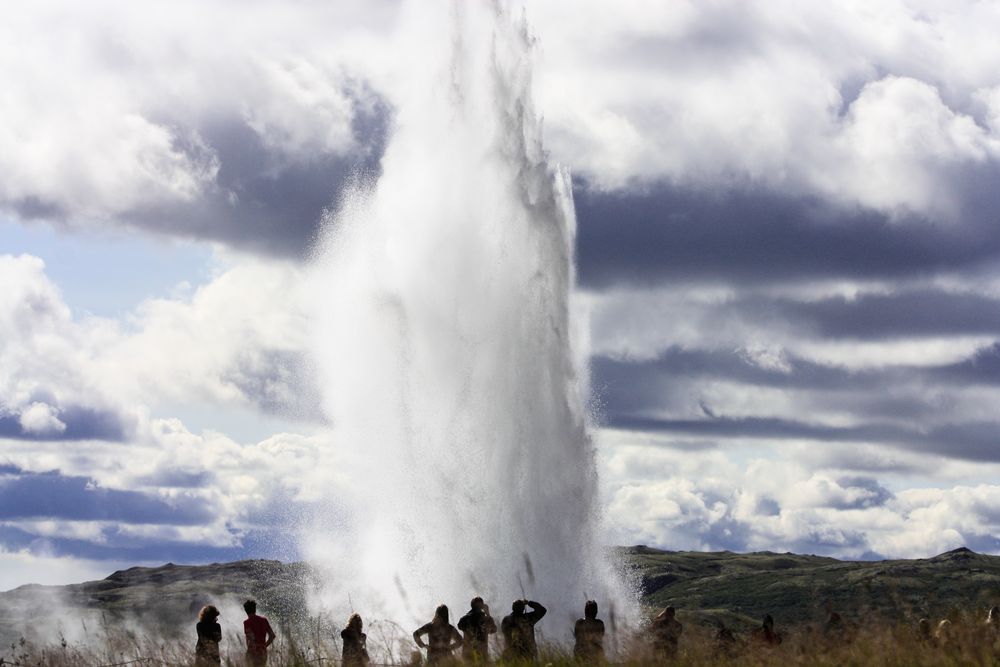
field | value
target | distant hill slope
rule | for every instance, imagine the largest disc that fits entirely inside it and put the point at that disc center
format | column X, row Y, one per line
column 797, row 589
column 703, row 586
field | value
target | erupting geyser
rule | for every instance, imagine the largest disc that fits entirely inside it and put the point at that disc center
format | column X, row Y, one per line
column 451, row 369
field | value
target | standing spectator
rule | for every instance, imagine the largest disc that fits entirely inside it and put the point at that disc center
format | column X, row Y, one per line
column 519, row 630
column 258, row 633
column 589, row 635
column 442, row 635
column 355, row 653
column 206, row 651
column 477, row 625
column 666, row 633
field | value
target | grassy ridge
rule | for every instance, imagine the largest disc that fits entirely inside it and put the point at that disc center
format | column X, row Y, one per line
column 800, row 589
column 103, row 622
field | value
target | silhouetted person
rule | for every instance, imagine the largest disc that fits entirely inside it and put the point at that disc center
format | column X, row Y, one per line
column 354, row 652
column 443, row 637
column 519, row 630
column 924, row 634
column 258, row 633
column 834, row 629
column 765, row 634
column 477, row 625
column 589, row 634
column 206, row 651
column 665, row 631
column 725, row 640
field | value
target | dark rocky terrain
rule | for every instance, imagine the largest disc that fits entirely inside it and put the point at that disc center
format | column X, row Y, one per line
column 738, row 588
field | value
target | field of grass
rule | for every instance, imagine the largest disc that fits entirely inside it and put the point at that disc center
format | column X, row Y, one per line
column 969, row 643
column 145, row 616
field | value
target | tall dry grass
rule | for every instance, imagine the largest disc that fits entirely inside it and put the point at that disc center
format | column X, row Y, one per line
column 969, row 642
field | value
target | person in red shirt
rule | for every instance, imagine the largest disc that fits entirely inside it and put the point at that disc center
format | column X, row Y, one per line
column 259, row 635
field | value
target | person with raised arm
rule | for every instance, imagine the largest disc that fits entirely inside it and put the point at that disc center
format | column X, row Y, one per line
column 519, row 630
column 476, row 626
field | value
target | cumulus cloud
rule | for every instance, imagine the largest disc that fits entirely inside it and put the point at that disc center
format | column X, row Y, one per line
column 701, row 500
column 836, row 101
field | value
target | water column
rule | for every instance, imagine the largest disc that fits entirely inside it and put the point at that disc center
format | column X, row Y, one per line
column 449, row 363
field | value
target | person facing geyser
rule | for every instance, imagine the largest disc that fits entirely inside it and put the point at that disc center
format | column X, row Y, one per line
column 443, row 637
column 477, row 625
column 258, row 633
column 206, row 651
column 354, row 652
column 519, row 630
column 665, row 633
column 589, row 635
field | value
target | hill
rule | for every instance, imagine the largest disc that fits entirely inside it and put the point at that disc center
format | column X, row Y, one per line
column 703, row 586
column 798, row 589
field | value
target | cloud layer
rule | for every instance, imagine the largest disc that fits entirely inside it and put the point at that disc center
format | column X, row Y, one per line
column 787, row 244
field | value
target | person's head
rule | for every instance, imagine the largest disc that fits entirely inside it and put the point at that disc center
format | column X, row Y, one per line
column 590, row 609
column 944, row 629
column 668, row 612
column 208, row 613
column 768, row 621
column 355, row 622
column 250, row 607
column 441, row 614
column 994, row 615
column 924, row 627
column 477, row 603
column 517, row 607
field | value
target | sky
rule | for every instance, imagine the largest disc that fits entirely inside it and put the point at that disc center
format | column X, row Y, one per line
column 787, row 247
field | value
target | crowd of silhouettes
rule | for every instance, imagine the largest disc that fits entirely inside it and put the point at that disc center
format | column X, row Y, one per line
column 441, row 639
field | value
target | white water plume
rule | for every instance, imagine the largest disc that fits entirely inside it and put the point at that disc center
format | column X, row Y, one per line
column 449, row 355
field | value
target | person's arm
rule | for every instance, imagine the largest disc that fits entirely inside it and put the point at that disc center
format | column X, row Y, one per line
column 536, row 613
column 217, row 633
column 419, row 632
column 491, row 625
column 456, row 639
column 248, row 633
column 576, row 628
column 269, row 635
column 463, row 623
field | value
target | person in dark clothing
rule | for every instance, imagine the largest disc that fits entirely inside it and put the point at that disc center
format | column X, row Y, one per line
column 665, row 631
column 259, row 635
column 519, row 630
column 354, row 653
column 765, row 634
column 443, row 637
column 206, row 651
column 477, row 625
column 589, row 635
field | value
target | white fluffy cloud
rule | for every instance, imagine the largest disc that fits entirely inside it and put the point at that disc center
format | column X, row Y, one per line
column 106, row 108
column 702, row 499
column 879, row 106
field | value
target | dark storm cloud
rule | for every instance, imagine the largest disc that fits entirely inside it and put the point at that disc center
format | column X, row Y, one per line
column 267, row 202
column 118, row 546
column 54, row 496
column 915, row 313
column 263, row 200
column 81, row 424
column 982, row 368
column 973, row 441
column 668, row 234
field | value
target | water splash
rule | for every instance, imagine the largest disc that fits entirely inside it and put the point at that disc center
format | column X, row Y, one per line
column 449, row 353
